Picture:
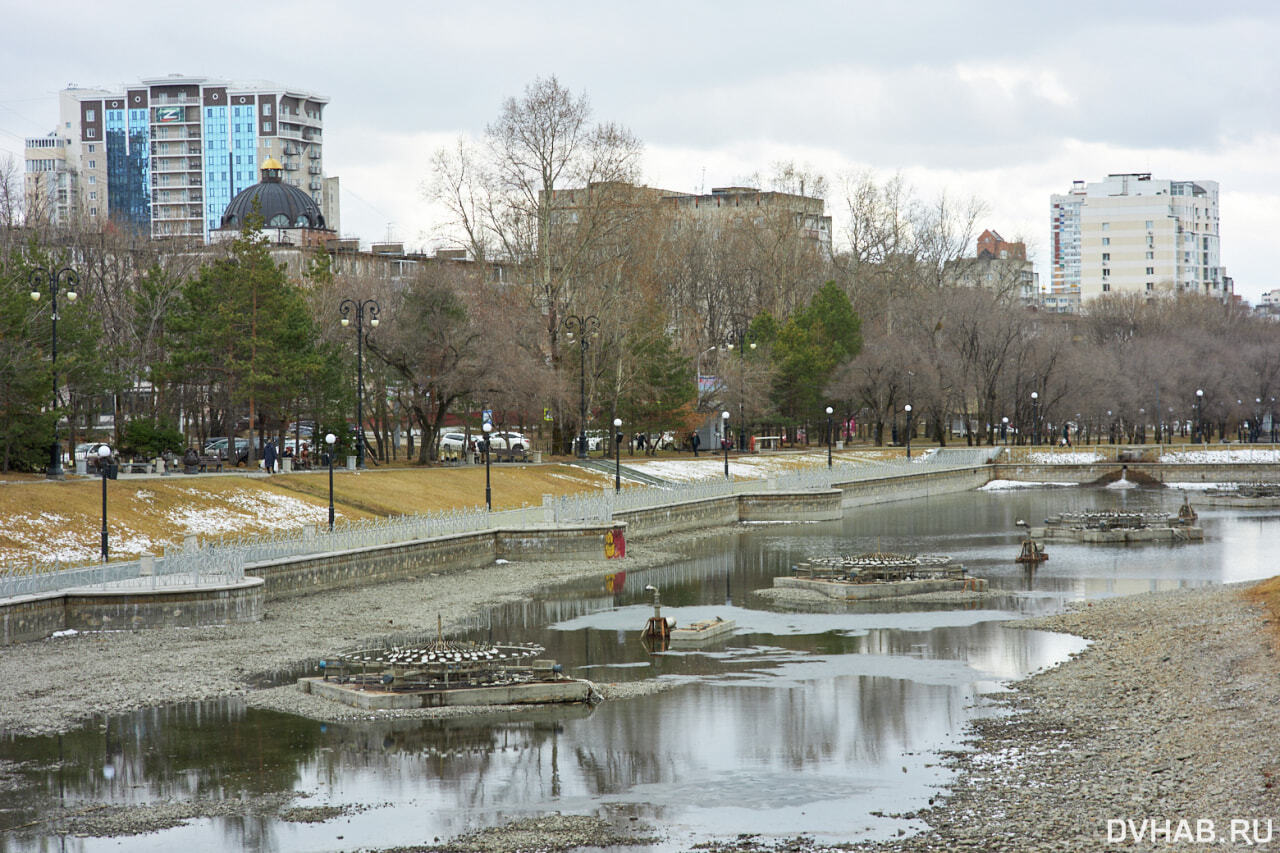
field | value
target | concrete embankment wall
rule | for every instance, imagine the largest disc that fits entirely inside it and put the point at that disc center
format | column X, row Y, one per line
column 923, row 485
column 1180, row 473
column 36, row 616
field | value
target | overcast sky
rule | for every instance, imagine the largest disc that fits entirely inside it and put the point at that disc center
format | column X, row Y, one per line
column 1006, row 101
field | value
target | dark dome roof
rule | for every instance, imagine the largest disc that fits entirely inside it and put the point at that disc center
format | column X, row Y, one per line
column 280, row 205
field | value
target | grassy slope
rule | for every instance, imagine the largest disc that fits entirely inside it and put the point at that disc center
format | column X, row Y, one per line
column 39, row 516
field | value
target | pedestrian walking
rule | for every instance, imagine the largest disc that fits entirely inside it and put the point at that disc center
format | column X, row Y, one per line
column 695, row 440
column 269, row 456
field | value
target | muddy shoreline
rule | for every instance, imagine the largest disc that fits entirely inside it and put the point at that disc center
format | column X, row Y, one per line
column 1169, row 713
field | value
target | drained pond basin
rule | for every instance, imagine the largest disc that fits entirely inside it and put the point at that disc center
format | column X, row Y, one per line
column 820, row 723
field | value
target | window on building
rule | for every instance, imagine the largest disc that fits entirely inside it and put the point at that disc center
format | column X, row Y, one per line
column 1106, row 287
column 1151, row 270
column 266, row 109
column 93, row 211
column 93, row 148
column 93, row 179
column 1106, row 226
column 1151, row 285
column 90, row 132
column 93, row 195
column 1106, row 241
column 1105, row 272
column 90, row 115
column 1151, row 255
column 1106, row 256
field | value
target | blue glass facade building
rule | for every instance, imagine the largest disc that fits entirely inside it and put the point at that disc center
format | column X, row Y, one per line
column 217, row 173
column 127, row 137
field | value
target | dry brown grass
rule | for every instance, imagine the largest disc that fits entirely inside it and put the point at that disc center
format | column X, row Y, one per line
column 1267, row 595
column 41, row 519
column 64, row 519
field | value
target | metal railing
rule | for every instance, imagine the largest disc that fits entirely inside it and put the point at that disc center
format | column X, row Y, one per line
column 223, row 560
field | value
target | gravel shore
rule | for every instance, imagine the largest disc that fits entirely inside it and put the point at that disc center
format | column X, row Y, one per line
column 1170, row 714
column 53, row 685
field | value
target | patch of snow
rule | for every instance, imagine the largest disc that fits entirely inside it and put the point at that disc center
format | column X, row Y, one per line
column 1005, row 485
column 1066, row 457
column 252, row 509
column 70, row 632
column 1257, row 456
column 1201, row 487
column 711, row 467
column 500, row 562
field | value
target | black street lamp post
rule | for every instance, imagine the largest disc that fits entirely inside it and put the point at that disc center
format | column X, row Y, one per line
column 352, row 306
column 330, row 439
column 38, row 277
column 104, row 465
column 1255, row 428
column 617, row 455
column 743, row 345
column 907, row 408
column 488, row 492
column 724, row 440
column 1035, row 417
column 1199, row 427
column 1004, row 428
column 830, row 411
column 583, row 329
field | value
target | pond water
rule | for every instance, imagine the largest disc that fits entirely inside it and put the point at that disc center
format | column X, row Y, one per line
column 815, row 723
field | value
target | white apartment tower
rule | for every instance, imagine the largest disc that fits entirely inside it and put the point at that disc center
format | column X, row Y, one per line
column 1134, row 234
column 168, row 155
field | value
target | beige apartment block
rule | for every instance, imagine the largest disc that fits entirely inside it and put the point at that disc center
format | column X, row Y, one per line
column 1135, row 234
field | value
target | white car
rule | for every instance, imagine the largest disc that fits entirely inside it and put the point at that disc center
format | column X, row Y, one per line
column 509, row 441
column 453, row 443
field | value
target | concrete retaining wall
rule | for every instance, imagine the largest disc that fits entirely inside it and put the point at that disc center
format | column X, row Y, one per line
column 1188, row 473
column 124, row 610
column 32, row 617
column 35, row 617
column 678, row 517
column 823, row 505
column 922, row 485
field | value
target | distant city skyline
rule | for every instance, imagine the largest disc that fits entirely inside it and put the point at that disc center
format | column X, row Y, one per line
column 1009, row 104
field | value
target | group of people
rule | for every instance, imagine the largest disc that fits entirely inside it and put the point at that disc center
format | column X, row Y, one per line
column 272, row 457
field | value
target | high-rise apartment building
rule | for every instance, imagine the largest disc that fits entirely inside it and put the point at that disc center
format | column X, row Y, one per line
column 1131, row 233
column 169, row 154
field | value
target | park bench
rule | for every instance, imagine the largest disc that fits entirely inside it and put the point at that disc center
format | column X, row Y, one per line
column 136, row 466
column 507, row 455
column 209, row 463
column 767, row 442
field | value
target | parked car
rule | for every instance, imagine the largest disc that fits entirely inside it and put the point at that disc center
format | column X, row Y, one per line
column 509, row 441
column 88, row 451
column 218, row 447
column 454, row 443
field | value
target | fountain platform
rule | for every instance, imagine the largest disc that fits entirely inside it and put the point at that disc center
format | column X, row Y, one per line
column 871, row 576
column 1117, row 527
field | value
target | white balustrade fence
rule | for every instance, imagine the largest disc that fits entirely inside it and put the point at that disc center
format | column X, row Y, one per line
column 223, row 561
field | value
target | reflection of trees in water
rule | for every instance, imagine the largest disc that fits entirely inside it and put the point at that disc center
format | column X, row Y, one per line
column 203, row 750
